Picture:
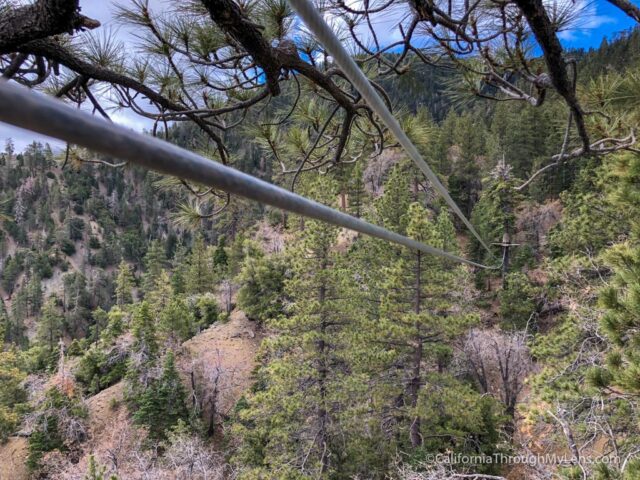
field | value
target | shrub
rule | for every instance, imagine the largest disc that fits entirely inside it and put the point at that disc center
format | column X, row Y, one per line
column 517, row 300
column 67, row 247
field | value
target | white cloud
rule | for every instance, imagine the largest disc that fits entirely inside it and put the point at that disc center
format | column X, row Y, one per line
column 582, row 17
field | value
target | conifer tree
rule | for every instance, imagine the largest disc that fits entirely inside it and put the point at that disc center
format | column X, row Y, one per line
column 220, row 257
column 199, row 277
column 16, row 330
column 494, row 216
column 160, row 293
column 4, row 323
column 144, row 332
column 144, row 353
column 176, row 320
column 163, row 404
column 12, row 392
column 154, row 261
column 34, row 295
column 50, row 326
column 464, row 182
column 124, row 284
column 292, row 425
column 357, row 191
column 179, row 270
column 404, row 344
column 262, row 278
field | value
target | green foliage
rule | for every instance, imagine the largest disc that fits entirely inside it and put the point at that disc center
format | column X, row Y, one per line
column 100, row 368
column 67, row 247
column 518, row 301
column 96, row 471
column 295, row 416
column 464, row 182
column 207, row 311
column 177, row 320
column 163, row 404
column 50, row 327
column 58, row 424
column 200, row 275
column 621, row 301
column 262, row 278
column 124, row 284
column 12, row 268
column 220, row 257
column 154, row 261
column 450, row 408
column 12, row 394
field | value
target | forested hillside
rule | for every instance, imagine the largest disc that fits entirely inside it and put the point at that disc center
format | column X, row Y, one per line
column 156, row 328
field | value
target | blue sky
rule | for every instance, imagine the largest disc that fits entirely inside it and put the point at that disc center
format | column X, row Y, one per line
column 601, row 19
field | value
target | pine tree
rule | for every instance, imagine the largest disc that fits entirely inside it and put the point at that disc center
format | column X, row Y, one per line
column 262, row 278
column 144, row 332
column 357, row 191
column 292, row 425
column 391, row 207
column 17, row 328
column 464, row 182
column 406, row 341
column 154, row 261
column 161, row 293
column 124, row 284
column 176, row 320
column 621, row 297
column 494, row 217
column 4, row 323
column 179, row 268
column 200, row 274
column 12, row 392
column 34, row 295
column 50, row 326
column 220, row 257
column 163, row 404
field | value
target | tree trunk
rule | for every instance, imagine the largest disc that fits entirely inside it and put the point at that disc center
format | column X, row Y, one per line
column 322, row 413
column 414, row 384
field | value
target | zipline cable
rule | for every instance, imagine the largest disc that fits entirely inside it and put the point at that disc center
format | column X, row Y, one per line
column 325, row 35
column 33, row 111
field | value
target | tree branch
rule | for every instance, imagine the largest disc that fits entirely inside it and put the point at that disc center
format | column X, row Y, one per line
column 42, row 19
column 545, row 33
column 627, row 7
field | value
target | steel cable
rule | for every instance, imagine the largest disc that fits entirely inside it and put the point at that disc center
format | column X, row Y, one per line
column 316, row 24
column 48, row 116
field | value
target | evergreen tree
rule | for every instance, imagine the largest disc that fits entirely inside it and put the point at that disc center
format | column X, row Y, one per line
column 464, row 182
column 13, row 396
column 50, row 326
column 418, row 297
column 154, row 261
column 199, row 277
column 34, row 295
column 124, row 284
column 495, row 219
column 144, row 332
column 220, row 257
column 177, row 321
column 262, row 278
column 291, row 424
column 144, row 353
column 179, row 268
column 160, row 293
column 163, row 404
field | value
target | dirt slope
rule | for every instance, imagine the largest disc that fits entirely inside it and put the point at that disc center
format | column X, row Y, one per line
column 12, row 457
column 222, row 359
column 219, row 361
